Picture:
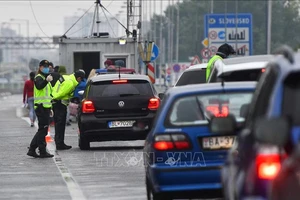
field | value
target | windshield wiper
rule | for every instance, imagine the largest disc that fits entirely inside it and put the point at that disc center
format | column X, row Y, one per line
column 126, row 95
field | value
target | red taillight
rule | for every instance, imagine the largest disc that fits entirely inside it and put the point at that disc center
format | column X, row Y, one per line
column 153, row 104
column 120, row 81
column 182, row 144
column 268, row 166
column 163, row 145
column 88, row 107
column 216, row 112
column 173, row 141
column 263, row 70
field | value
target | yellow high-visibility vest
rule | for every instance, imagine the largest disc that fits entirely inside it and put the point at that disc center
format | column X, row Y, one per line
column 42, row 96
column 210, row 65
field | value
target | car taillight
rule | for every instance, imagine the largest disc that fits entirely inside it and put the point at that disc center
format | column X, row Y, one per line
column 171, row 141
column 263, row 70
column 216, row 111
column 120, row 81
column 268, row 165
column 88, row 107
column 153, row 104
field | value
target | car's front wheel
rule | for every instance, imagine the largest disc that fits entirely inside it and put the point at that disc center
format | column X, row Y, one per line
column 83, row 143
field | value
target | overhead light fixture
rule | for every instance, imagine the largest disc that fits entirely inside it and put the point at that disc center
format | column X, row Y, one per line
column 122, row 41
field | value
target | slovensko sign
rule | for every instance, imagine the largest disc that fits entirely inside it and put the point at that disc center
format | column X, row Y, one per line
column 234, row 29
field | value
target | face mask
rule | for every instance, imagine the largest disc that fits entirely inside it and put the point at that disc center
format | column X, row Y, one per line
column 45, row 70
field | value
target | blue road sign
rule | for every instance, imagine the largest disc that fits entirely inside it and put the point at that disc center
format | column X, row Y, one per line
column 222, row 35
column 168, row 78
column 176, row 68
column 155, row 52
column 234, row 29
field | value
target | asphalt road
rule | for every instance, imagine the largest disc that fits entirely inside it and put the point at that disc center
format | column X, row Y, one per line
column 109, row 171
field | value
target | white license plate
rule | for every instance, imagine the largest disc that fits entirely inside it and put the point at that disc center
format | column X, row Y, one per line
column 222, row 142
column 120, row 124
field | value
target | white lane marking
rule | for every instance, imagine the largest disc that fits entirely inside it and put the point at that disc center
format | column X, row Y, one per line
column 73, row 187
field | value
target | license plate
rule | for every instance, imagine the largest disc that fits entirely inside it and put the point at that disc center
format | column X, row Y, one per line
column 120, row 124
column 221, row 142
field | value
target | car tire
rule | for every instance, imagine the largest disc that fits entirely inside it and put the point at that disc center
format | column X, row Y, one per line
column 83, row 143
column 152, row 195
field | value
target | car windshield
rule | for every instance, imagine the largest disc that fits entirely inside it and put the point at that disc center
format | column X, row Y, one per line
column 130, row 88
column 197, row 109
column 192, row 77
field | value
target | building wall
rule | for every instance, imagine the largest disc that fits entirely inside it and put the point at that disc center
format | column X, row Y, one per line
column 108, row 47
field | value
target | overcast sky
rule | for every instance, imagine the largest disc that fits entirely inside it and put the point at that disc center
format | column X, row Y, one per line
column 49, row 15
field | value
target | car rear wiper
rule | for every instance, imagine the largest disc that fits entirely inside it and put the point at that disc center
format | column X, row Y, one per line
column 126, row 95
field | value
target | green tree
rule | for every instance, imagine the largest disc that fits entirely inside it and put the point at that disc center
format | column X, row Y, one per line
column 285, row 23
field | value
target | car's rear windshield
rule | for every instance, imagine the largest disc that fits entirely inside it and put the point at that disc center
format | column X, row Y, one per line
column 241, row 75
column 197, row 109
column 192, row 77
column 120, row 89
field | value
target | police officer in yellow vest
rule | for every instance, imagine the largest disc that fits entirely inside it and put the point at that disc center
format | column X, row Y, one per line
column 223, row 52
column 62, row 92
column 42, row 106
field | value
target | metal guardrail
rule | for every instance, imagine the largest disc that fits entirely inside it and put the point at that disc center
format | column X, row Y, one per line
column 27, row 43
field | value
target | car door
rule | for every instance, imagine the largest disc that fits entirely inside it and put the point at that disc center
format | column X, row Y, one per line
column 239, row 167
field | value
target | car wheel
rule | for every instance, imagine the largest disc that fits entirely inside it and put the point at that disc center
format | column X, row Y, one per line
column 83, row 143
column 154, row 196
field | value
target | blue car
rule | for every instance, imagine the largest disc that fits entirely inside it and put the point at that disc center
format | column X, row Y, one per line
column 182, row 156
column 251, row 166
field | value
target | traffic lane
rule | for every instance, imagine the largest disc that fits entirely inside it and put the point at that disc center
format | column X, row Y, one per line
column 23, row 177
column 110, row 170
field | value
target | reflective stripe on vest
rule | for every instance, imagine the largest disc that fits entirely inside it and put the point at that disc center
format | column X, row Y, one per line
column 210, row 64
column 43, row 96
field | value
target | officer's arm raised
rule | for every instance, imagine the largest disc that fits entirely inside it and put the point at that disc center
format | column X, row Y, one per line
column 40, row 83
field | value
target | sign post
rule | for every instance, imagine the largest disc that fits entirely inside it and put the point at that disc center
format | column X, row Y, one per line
column 149, row 54
column 234, row 29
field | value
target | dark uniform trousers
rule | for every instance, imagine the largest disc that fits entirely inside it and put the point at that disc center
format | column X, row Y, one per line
column 39, row 141
column 60, row 115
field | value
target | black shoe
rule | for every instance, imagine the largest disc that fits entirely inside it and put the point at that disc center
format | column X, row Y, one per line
column 32, row 125
column 32, row 153
column 68, row 124
column 46, row 155
column 63, row 147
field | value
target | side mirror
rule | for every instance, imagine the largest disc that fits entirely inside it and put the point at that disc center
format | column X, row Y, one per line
column 273, row 131
column 161, row 95
column 223, row 125
column 81, row 92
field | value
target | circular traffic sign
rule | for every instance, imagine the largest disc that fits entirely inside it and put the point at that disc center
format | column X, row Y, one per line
column 168, row 70
column 222, row 35
column 176, row 68
column 213, row 35
column 213, row 50
column 206, row 53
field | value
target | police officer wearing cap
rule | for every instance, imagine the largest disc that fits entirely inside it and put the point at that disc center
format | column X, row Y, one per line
column 42, row 105
column 223, row 52
column 62, row 92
